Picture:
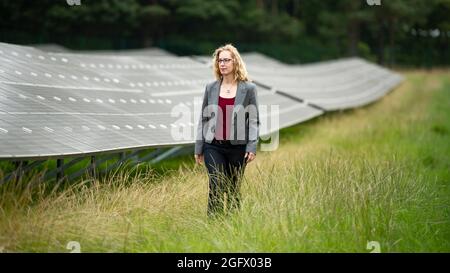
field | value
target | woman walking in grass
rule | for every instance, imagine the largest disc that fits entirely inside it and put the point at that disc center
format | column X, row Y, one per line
column 228, row 129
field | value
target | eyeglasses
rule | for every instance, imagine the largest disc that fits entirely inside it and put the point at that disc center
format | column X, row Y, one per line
column 225, row 60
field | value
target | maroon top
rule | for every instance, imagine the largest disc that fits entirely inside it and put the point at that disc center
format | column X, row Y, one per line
column 223, row 128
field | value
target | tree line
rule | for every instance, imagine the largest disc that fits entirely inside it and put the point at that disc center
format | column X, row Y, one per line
column 395, row 32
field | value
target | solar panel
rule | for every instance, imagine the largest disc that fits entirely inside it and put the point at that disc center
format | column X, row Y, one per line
column 67, row 104
column 151, row 51
column 262, row 60
column 289, row 112
column 331, row 85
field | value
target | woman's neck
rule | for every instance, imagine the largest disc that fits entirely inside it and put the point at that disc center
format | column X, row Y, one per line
column 228, row 79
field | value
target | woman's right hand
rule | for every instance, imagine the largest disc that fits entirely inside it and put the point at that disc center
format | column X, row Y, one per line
column 199, row 159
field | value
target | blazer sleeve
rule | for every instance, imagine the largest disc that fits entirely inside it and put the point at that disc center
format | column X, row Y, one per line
column 253, row 121
column 200, row 138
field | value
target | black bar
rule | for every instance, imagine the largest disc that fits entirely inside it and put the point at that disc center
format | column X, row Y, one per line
column 92, row 166
column 60, row 169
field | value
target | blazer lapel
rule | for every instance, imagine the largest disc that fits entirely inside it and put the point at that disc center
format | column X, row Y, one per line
column 215, row 93
column 240, row 94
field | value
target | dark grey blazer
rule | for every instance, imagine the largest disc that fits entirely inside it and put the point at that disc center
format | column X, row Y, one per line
column 245, row 122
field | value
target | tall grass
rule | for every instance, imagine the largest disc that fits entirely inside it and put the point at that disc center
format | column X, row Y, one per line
column 378, row 173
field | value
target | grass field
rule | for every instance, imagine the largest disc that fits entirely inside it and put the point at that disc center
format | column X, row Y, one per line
column 378, row 173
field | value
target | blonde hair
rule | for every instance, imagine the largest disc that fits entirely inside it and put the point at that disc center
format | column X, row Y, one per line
column 240, row 72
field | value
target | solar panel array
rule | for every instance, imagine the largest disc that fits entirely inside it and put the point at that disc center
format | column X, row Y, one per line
column 331, row 85
column 72, row 104
column 151, row 51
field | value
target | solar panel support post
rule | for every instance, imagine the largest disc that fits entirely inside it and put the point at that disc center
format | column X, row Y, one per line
column 119, row 162
column 15, row 173
column 99, row 161
column 92, row 167
column 59, row 169
column 20, row 169
column 28, row 167
column 54, row 172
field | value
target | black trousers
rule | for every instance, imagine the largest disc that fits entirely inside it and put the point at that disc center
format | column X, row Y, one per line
column 226, row 164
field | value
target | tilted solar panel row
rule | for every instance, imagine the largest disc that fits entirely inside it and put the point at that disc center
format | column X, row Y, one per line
column 72, row 104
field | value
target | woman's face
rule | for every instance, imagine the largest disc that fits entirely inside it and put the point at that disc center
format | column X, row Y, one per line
column 226, row 63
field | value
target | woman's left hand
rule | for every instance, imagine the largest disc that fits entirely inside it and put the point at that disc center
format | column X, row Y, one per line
column 249, row 156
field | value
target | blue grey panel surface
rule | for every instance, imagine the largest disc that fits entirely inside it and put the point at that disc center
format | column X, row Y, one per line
column 331, row 85
column 67, row 104
column 151, row 51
